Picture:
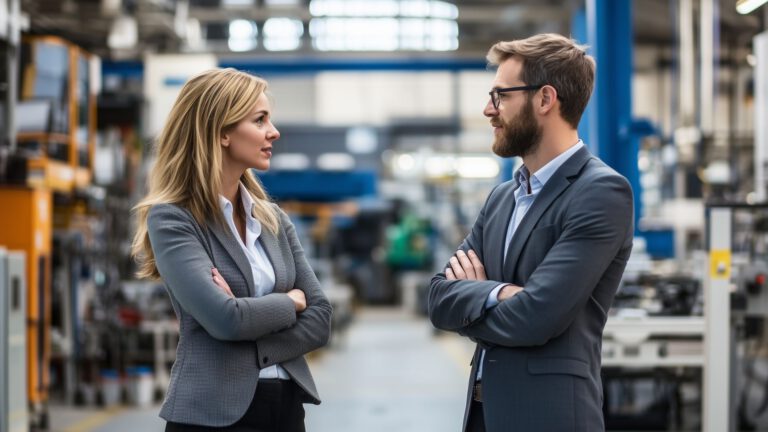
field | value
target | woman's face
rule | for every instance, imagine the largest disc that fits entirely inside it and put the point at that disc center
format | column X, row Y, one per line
column 249, row 143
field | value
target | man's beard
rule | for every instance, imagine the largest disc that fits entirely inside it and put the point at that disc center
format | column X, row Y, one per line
column 520, row 137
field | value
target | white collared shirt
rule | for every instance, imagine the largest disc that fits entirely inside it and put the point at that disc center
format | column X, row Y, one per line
column 261, row 267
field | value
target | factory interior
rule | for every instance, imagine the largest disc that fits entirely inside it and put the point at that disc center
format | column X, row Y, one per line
column 383, row 163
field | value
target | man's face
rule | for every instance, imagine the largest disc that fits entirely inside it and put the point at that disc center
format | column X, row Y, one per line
column 515, row 128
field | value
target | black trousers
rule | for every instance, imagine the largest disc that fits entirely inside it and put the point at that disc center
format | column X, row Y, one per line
column 476, row 420
column 276, row 407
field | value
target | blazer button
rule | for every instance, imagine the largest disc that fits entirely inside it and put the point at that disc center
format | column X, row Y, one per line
column 265, row 360
column 466, row 320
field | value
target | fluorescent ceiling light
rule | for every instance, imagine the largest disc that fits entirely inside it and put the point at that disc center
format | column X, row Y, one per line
column 242, row 29
column 383, row 34
column 124, row 33
column 384, row 8
column 746, row 6
column 282, row 34
column 236, row 3
column 281, row 3
column 242, row 35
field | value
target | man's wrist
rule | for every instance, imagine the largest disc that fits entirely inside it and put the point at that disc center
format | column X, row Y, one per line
column 508, row 291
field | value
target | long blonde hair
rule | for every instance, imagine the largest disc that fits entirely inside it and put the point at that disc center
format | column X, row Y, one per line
column 187, row 171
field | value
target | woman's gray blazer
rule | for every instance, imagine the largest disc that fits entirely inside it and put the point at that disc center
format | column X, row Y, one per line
column 225, row 341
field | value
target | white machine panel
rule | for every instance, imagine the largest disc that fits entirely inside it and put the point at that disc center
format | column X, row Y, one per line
column 13, row 372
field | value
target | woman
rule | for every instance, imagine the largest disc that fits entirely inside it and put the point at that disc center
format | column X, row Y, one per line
column 248, row 304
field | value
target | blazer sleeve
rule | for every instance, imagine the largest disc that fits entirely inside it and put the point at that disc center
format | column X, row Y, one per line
column 185, row 268
column 313, row 326
column 596, row 228
column 456, row 304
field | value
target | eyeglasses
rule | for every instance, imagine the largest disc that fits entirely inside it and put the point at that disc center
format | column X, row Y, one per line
column 496, row 93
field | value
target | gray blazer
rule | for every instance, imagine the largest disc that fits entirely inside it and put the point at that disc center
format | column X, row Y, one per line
column 542, row 366
column 225, row 341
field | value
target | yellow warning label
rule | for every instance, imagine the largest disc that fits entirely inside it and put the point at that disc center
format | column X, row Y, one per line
column 720, row 264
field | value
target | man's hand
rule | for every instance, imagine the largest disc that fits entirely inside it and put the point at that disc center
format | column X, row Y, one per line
column 466, row 266
column 299, row 299
column 508, row 291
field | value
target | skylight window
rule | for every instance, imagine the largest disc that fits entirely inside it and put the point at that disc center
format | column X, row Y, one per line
column 282, row 34
column 383, row 25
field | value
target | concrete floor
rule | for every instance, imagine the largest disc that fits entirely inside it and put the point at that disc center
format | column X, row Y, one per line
column 387, row 373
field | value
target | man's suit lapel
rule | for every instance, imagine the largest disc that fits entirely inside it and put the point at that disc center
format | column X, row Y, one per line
column 506, row 208
column 231, row 245
column 272, row 248
column 558, row 183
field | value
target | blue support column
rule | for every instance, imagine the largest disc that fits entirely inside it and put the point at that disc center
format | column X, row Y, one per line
column 608, row 125
column 579, row 33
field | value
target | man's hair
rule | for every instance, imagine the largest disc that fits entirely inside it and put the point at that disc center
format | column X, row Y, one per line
column 555, row 60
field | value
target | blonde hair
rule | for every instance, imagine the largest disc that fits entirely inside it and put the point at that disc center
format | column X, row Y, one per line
column 187, row 171
column 555, row 60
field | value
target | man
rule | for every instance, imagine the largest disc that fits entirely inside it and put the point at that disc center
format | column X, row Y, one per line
column 533, row 281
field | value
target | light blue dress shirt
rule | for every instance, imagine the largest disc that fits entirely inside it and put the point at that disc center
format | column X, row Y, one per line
column 525, row 195
column 261, row 267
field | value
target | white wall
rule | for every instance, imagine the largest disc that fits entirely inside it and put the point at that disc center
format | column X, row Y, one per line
column 376, row 98
column 159, row 93
column 293, row 99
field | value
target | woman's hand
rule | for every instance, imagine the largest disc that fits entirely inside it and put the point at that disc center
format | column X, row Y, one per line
column 299, row 299
column 220, row 282
column 297, row 295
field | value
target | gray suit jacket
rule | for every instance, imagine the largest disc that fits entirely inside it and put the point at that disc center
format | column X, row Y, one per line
column 225, row 341
column 542, row 366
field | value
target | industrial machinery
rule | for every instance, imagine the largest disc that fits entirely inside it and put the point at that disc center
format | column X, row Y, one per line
column 688, row 352
column 13, row 343
column 27, row 227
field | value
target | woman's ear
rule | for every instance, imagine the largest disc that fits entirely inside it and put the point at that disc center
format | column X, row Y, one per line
column 224, row 140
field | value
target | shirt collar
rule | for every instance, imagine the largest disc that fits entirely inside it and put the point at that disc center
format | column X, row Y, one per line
column 542, row 176
column 247, row 202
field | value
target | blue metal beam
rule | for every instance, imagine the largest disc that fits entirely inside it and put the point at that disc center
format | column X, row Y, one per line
column 610, row 128
column 282, row 66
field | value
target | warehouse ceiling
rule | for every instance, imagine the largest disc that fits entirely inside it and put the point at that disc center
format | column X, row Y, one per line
column 207, row 25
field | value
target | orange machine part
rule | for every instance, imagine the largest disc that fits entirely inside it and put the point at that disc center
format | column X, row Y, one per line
column 26, row 221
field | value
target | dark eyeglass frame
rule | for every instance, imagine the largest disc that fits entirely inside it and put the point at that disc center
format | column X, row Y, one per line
column 495, row 94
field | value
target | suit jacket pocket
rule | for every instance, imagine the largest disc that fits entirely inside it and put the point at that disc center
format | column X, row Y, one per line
column 558, row 365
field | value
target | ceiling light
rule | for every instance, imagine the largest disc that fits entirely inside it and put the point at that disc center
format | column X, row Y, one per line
column 746, row 6
column 282, row 34
column 281, row 3
column 242, row 29
column 242, row 35
column 236, row 3
column 124, row 33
